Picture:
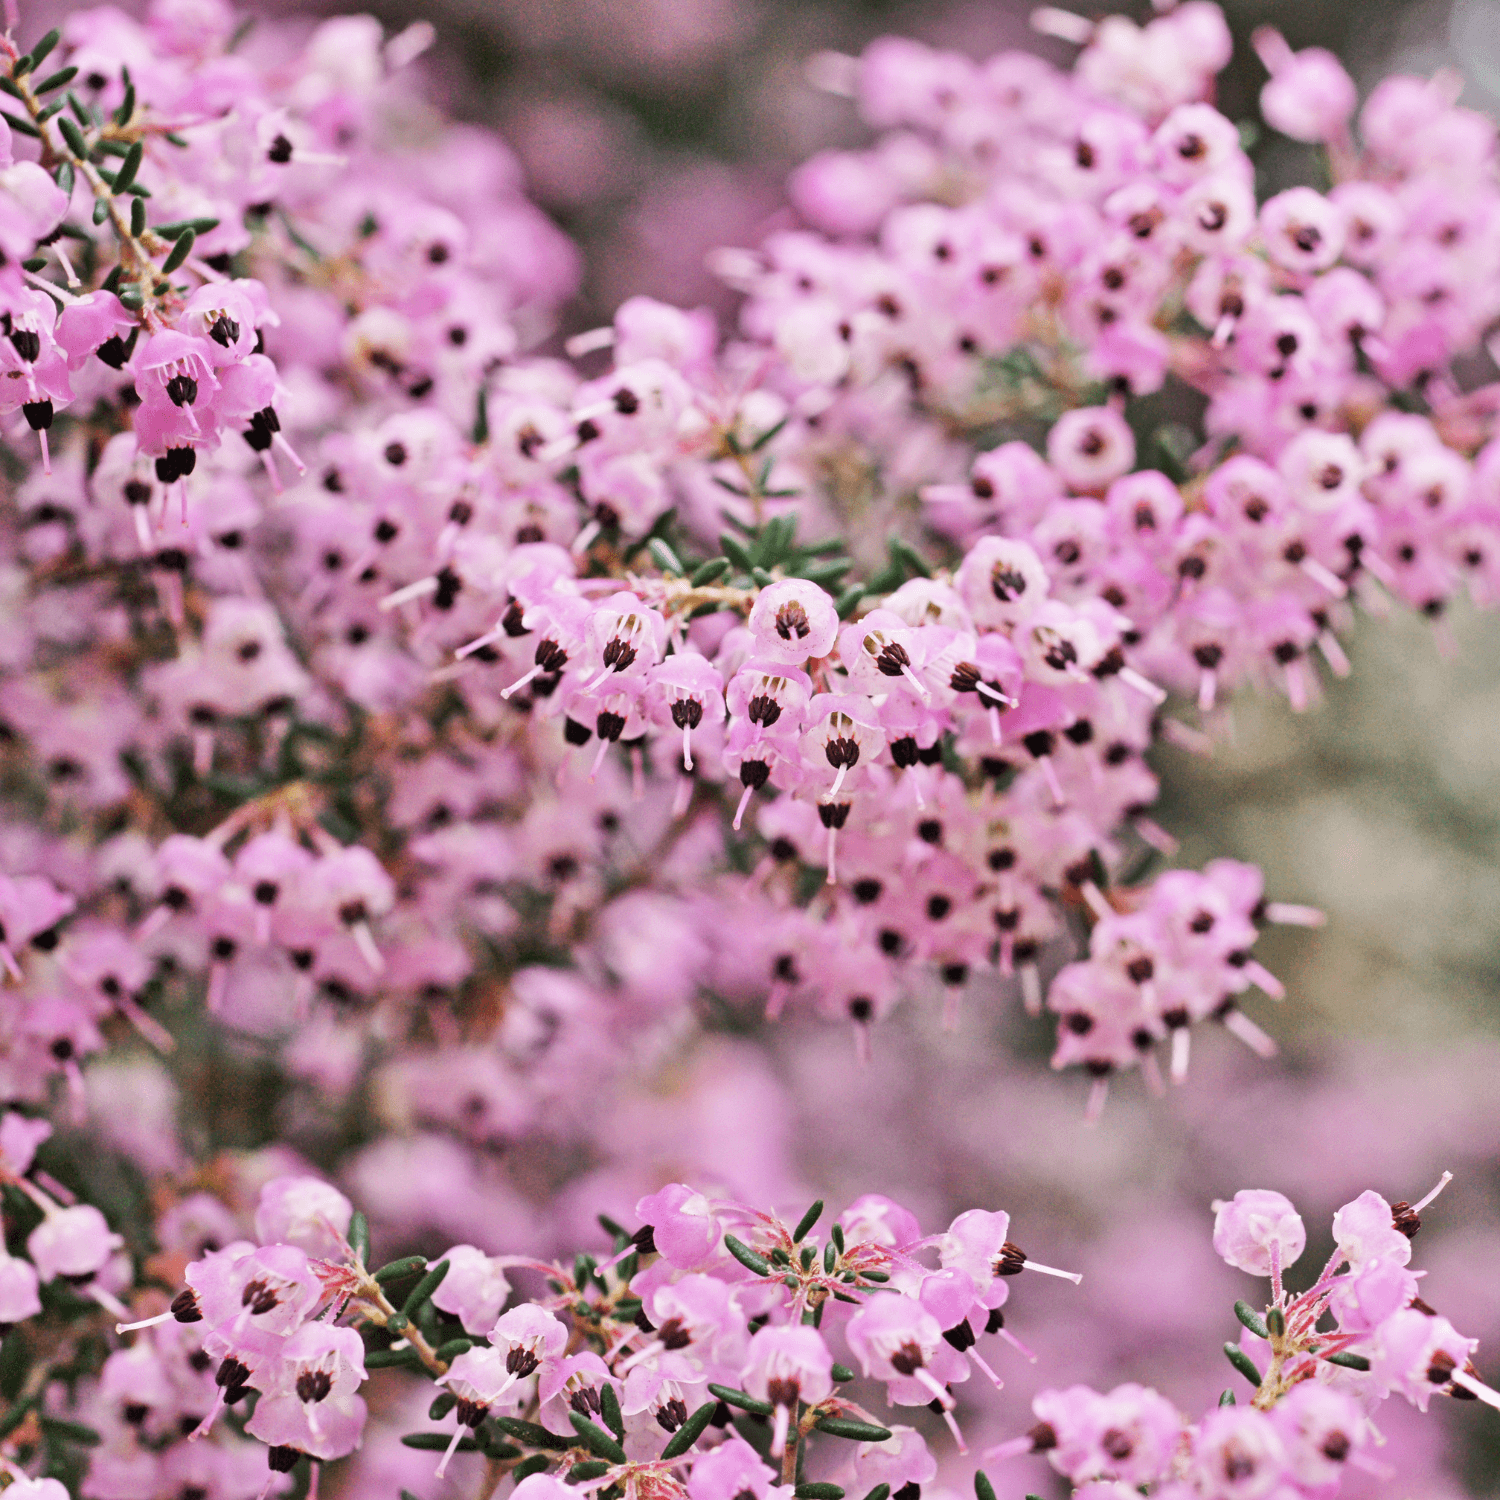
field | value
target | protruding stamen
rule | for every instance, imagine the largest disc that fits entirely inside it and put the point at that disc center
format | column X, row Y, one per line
column 739, row 812
column 1264, row 979
column 1333, row 654
column 1208, row 687
column 1010, row 1448
column 1476, row 1388
column 1098, row 1095
column 1323, row 577
column 1296, row 686
column 1182, row 1046
column 1175, row 732
column 587, row 343
column 1065, row 25
column 520, row 682
column 411, row 591
column 958, row 1436
column 1294, row 916
column 1074, row 1276
column 165, row 1317
column 1015, row 1343
column 1155, row 835
column 459, row 1433
column 1095, row 898
column 1053, row 784
column 1143, row 685
column 1151, row 1072
column 364, row 940
column 1031, row 989
column 1249, row 1033
column 480, row 642
column 982, row 1364
column 1442, row 1182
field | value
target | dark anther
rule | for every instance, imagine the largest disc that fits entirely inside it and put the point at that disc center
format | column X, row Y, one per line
column 791, row 619
column 185, row 1307
column 1011, row 1260
column 313, row 1386
column 280, row 151
column 673, row 1335
column 619, row 654
column 470, row 1413
column 961, row 1336
column 754, row 774
column 671, row 1414
column 842, row 753
column 1006, row 584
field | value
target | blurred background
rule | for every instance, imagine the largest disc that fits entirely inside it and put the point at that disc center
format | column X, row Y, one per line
column 654, row 130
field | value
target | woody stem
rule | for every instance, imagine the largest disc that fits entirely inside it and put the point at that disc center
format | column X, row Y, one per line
column 132, row 247
column 382, row 1311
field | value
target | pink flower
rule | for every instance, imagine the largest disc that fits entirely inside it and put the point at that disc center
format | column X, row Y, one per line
column 1258, row 1231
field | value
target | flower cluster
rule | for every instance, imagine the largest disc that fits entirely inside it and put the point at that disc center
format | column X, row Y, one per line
column 1316, row 1388
column 689, row 1361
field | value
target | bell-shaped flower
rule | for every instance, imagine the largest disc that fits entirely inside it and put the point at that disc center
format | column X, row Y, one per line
column 1258, row 1231
column 306, row 1212
column 309, row 1398
column 474, row 1290
column 792, row 621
